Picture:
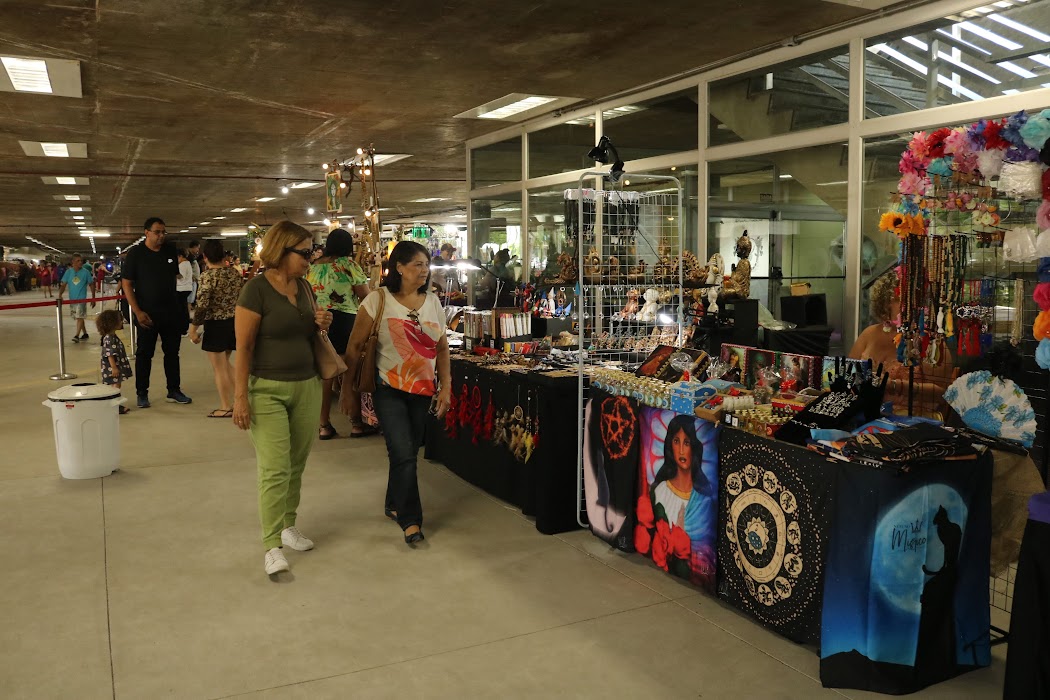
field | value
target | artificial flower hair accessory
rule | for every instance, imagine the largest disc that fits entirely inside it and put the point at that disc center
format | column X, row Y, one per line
column 1041, row 327
column 990, row 163
column 1036, row 131
column 1041, row 295
column 1019, row 244
column 1042, row 246
column 1022, row 180
column 1042, row 354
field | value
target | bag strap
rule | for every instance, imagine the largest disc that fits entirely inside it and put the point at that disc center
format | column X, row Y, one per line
column 382, row 306
column 310, row 291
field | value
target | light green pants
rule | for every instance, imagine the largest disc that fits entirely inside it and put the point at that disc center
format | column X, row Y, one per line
column 283, row 429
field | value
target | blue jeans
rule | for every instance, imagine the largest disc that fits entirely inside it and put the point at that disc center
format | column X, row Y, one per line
column 403, row 417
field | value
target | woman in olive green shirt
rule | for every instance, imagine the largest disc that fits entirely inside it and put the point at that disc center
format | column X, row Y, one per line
column 278, row 390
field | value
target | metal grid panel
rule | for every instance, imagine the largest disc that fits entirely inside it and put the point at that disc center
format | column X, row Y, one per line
column 631, row 266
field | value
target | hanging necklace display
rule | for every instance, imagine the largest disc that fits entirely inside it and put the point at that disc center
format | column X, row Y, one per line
column 488, row 422
column 1017, row 320
column 475, row 414
column 529, row 440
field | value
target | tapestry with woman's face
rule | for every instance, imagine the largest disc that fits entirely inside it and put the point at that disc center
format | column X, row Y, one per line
column 678, row 495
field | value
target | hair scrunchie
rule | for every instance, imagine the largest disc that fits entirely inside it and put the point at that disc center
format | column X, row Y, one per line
column 1043, row 269
column 1041, row 295
column 1042, row 354
column 1041, row 327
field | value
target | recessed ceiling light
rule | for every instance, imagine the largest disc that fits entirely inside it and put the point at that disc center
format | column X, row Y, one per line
column 265, row 199
column 516, row 106
column 92, row 234
column 66, row 180
column 74, row 208
column 78, row 216
column 54, row 149
column 46, row 76
column 185, row 230
column 218, row 217
column 191, row 227
column 27, row 74
column 236, row 210
column 430, row 199
column 305, row 185
column 230, row 234
column 204, row 223
column 310, row 211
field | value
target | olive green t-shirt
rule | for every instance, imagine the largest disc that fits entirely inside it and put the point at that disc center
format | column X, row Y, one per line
column 284, row 349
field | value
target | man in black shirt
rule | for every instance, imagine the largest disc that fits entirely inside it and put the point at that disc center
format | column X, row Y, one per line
column 149, row 275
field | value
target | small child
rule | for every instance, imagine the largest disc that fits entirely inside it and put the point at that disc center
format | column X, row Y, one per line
column 114, row 364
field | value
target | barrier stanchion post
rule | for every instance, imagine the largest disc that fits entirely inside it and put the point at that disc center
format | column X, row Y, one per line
column 62, row 373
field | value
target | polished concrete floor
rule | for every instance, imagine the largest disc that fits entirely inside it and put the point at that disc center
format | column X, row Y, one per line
column 149, row 583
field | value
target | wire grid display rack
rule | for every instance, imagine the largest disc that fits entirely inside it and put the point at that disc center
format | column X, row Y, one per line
column 630, row 276
column 992, row 285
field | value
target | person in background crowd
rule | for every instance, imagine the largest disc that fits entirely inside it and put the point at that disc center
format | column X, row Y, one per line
column 318, row 252
column 148, row 277
column 55, row 274
column 60, row 272
column 114, row 364
column 278, row 392
column 496, row 288
column 3, row 280
column 44, row 279
column 412, row 360
column 216, row 303
column 446, row 278
column 78, row 280
column 340, row 285
column 184, row 283
column 193, row 254
column 100, row 275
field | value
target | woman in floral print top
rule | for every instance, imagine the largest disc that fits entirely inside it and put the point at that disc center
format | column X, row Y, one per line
column 217, row 294
column 340, row 285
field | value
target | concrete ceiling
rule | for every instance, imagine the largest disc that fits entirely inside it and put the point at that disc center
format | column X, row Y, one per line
column 195, row 107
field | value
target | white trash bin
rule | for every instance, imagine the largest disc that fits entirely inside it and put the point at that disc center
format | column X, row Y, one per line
column 87, row 429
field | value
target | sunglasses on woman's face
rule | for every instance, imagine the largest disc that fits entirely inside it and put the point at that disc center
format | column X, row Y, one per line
column 306, row 253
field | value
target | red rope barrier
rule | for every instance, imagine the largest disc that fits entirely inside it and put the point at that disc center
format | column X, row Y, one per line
column 65, row 302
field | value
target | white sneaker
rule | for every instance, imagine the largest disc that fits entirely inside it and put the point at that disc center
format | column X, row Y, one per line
column 291, row 537
column 275, row 561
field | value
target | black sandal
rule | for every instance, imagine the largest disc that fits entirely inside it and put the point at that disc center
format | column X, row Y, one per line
column 415, row 537
column 365, row 428
column 392, row 514
column 322, row 435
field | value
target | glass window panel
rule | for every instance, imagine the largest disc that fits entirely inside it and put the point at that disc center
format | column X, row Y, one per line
column 561, row 148
column 547, row 237
column 1000, row 48
column 793, row 206
column 804, row 94
column 656, row 127
column 496, row 164
column 687, row 175
column 496, row 225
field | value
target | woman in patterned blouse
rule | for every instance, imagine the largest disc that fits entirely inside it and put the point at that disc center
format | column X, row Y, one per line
column 340, row 286
column 217, row 295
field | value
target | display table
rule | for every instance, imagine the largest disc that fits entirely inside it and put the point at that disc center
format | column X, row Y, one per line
column 1028, row 660
column 487, row 450
column 888, row 571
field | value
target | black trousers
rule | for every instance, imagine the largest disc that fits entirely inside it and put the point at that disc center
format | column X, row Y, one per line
column 402, row 416
column 169, row 329
column 1028, row 654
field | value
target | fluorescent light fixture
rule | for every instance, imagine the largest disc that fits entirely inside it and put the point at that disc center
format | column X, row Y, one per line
column 191, row 227
column 231, row 234
column 27, row 74
column 265, row 199
column 607, row 114
column 219, row 217
column 185, row 230
column 54, row 149
column 237, row 210
column 523, row 105
column 72, row 197
column 74, row 208
column 304, row 185
column 65, row 180
column 990, row 36
column 507, row 209
column 205, row 223
column 424, row 200
column 830, row 184
column 388, row 158
column 785, row 176
column 44, row 76
column 78, row 216
column 92, row 234
column 517, row 106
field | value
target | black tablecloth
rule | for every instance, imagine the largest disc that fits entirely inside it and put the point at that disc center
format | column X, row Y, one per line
column 544, row 486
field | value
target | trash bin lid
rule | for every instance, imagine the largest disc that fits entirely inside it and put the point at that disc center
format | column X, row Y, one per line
column 84, row 392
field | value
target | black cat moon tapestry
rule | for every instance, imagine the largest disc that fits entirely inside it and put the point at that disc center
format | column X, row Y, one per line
column 906, row 589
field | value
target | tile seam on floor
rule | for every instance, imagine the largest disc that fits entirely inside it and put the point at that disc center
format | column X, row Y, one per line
column 759, row 649
column 105, row 571
column 445, row 652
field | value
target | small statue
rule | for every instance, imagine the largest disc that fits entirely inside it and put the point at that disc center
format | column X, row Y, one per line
column 630, row 309
column 712, row 299
column 738, row 286
column 663, row 271
column 692, row 274
column 551, row 305
column 592, row 267
column 715, row 267
column 559, row 304
column 652, row 304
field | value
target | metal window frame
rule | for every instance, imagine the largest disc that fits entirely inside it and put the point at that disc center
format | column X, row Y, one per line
column 855, row 132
